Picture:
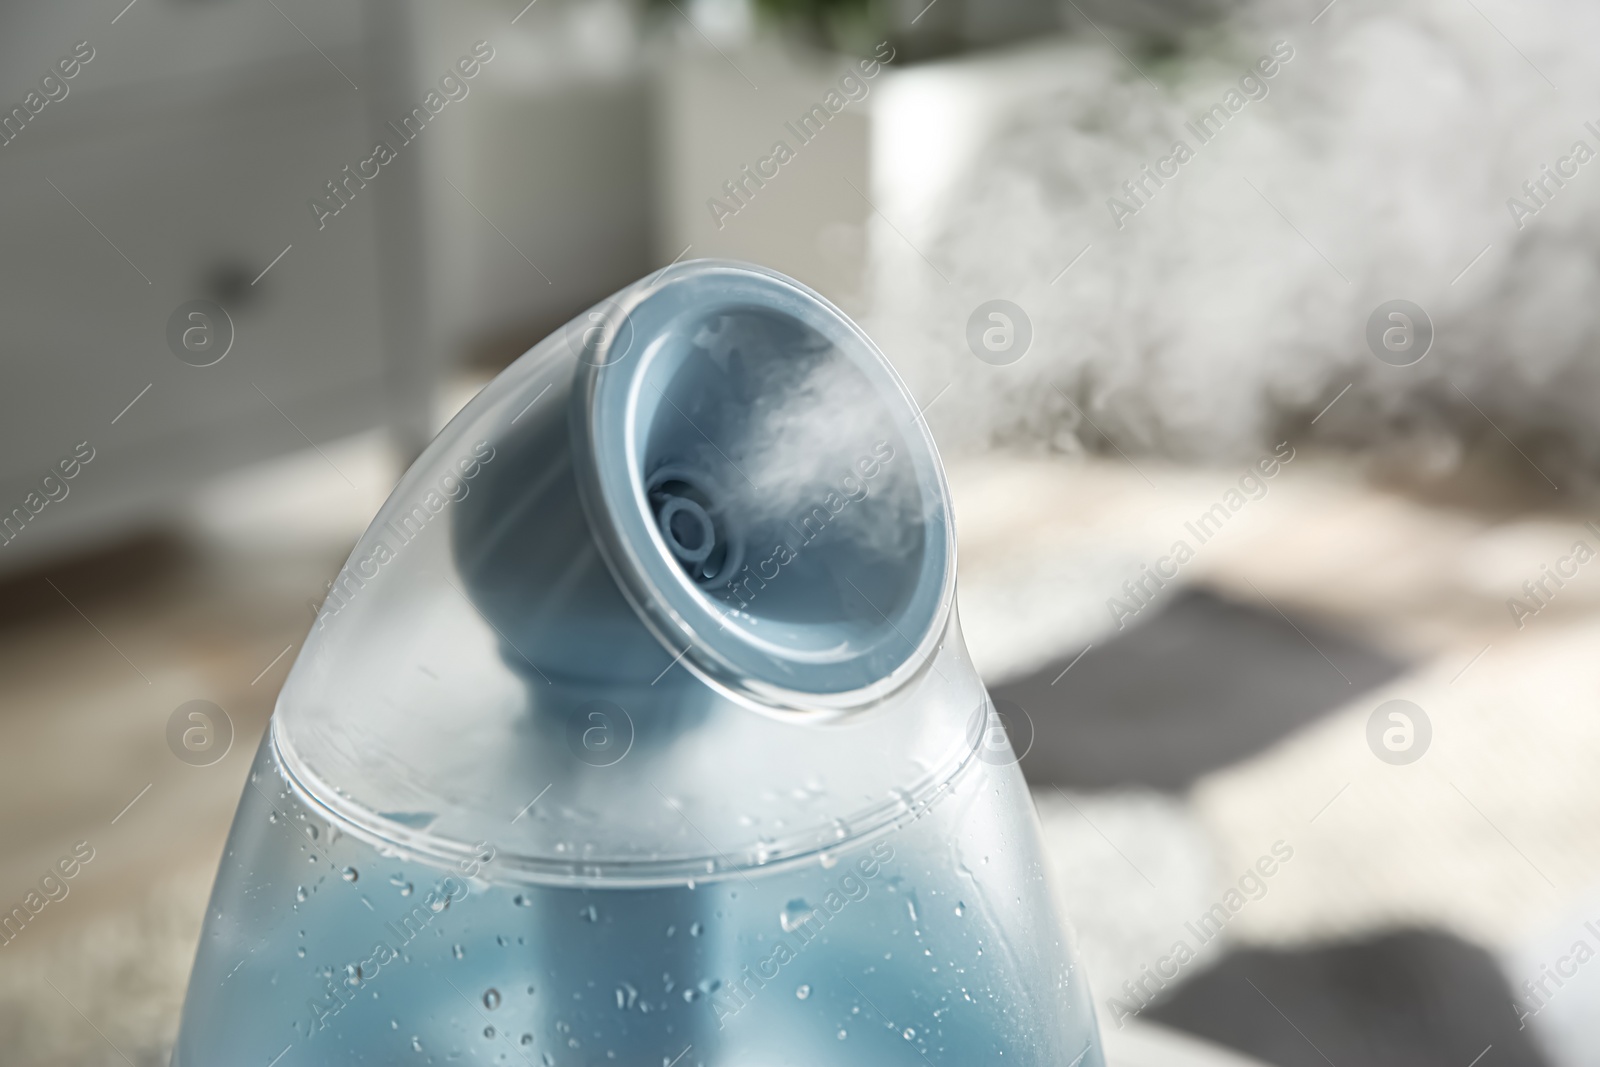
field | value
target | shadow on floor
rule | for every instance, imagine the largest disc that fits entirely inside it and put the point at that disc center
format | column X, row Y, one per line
column 140, row 565
column 1411, row 998
column 1204, row 684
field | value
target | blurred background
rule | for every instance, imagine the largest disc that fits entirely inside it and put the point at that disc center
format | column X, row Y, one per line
column 1259, row 337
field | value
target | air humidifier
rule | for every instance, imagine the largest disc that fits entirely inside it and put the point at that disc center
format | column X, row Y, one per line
column 638, row 729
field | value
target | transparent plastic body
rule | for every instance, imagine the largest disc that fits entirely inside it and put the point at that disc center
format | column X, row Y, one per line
column 639, row 729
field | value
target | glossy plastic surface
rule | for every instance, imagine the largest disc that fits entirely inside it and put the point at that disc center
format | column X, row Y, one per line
column 639, row 726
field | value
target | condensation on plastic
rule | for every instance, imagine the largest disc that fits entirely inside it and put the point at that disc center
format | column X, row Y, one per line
column 638, row 728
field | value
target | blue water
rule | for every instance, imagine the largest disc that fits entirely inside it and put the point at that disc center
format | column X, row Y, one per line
column 933, row 944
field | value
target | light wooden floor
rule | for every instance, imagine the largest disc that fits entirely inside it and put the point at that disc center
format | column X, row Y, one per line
column 1491, row 834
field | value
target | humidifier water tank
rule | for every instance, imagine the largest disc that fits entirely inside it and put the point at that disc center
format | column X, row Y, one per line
column 639, row 729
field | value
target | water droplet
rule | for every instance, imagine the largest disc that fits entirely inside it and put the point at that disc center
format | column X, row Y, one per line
column 911, row 909
column 416, row 1043
column 794, row 913
column 842, row 1034
column 695, row 929
column 491, row 999
column 961, row 908
column 272, row 816
column 300, row 893
column 456, row 951
column 301, row 952
column 312, row 831
column 527, row 1039
column 406, row 890
column 349, row 874
column 909, row 1033
column 803, row 992
column 488, row 1031
column 394, row 1024
column 626, row 996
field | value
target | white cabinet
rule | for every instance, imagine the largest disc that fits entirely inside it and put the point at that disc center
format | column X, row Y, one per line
column 178, row 167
